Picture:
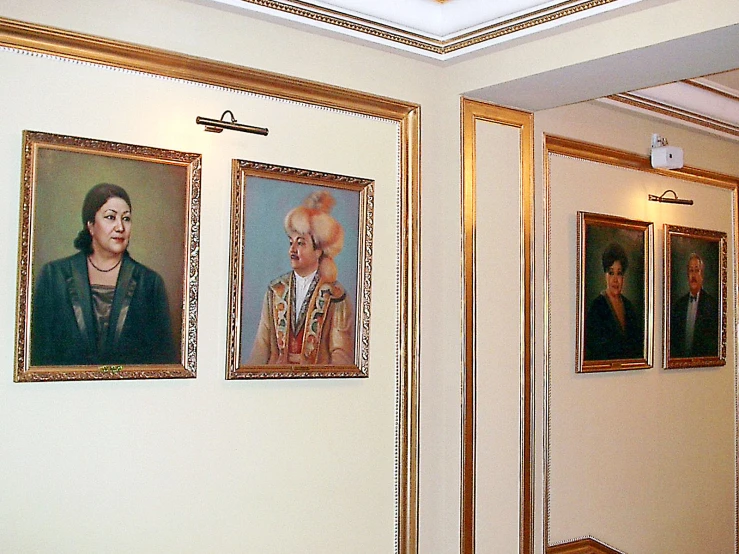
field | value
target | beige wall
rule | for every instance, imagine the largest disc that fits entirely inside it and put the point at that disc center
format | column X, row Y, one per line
column 187, row 27
column 200, row 465
column 498, row 336
column 642, row 460
column 185, row 438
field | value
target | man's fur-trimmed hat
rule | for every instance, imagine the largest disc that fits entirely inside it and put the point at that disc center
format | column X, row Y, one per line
column 313, row 217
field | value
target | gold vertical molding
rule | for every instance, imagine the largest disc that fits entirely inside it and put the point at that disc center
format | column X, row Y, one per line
column 410, row 158
column 555, row 145
column 472, row 112
column 63, row 44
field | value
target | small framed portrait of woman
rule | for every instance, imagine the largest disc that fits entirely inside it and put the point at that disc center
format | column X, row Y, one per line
column 695, row 297
column 108, row 260
column 300, row 275
column 614, row 293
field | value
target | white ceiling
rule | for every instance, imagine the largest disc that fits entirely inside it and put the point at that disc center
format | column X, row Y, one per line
column 442, row 30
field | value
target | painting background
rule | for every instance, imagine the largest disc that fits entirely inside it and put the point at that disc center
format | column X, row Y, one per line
column 266, row 203
column 158, row 192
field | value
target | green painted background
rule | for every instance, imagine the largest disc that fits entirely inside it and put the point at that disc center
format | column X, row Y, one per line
column 158, row 193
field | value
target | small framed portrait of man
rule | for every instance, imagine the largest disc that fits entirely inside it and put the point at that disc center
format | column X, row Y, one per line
column 301, row 262
column 695, row 297
column 108, row 260
column 614, row 301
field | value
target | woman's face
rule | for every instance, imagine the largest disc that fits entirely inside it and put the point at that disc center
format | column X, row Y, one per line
column 111, row 229
column 614, row 280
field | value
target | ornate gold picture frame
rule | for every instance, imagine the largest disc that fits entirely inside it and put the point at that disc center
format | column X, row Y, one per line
column 614, row 293
column 300, row 275
column 124, row 306
column 695, row 297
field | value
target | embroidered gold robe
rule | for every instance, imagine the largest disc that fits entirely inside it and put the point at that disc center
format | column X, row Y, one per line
column 325, row 321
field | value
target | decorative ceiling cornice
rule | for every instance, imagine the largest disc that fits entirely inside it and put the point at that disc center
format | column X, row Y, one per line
column 712, row 89
column 693, row 118
column 445, row 47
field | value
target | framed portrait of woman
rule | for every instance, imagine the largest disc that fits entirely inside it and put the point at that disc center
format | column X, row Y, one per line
column 695, row 297
column 300, row 275
column 108, row 260
column 614, row 293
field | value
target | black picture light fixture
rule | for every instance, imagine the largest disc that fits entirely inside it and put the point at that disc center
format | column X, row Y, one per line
column 218, row 125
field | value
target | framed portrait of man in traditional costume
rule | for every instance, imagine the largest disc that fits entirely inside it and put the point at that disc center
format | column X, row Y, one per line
column 300, row 273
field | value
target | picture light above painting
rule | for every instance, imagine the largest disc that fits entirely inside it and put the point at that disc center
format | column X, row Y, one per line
column 218, row 125
column 108, row 260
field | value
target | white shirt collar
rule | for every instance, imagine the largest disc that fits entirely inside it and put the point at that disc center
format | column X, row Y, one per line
column 305, row 281
column 302, row 284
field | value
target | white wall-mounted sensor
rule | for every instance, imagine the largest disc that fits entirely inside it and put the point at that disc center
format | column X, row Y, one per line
column 664, row 156
column 667, row 157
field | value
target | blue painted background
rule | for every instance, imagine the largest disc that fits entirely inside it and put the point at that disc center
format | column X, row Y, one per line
column 266, row 203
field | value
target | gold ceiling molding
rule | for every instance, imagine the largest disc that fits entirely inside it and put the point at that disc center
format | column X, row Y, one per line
column 101, row 51
column 642, row 103
column 439, row 46
column 58, row 43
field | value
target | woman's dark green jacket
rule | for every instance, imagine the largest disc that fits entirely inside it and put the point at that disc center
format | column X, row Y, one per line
column 63, row 325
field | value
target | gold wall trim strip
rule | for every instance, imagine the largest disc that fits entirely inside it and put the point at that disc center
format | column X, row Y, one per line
column 694, row 118
column 554, row 145
column 622, row 158
column 123, row 55
column 424, row 43
column 410, row 168
column 471, row 113
column 100, row 51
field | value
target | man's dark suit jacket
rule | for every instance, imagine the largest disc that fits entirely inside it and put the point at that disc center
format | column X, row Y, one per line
column 705, row 334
